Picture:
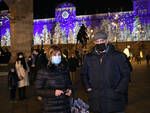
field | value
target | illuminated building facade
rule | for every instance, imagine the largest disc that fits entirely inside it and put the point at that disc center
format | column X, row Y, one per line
column 120, row 26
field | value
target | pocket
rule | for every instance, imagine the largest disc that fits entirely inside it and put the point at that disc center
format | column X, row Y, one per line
column 117, row 96
column 111, row 94
column 94, row 101
column 93, row 94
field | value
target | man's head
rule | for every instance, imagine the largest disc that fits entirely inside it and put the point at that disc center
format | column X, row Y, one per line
column 100, row 37
column 101, row 41
column 36, row 51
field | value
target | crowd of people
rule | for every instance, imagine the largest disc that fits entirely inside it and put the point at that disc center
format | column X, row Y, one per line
column 105, row 74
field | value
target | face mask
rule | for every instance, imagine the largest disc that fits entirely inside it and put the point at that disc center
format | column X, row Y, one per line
column 20, row 56
column 56, row 59
column 100, row 47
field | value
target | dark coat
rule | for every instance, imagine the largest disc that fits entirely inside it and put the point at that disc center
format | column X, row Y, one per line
column 72, row 64
column 108, row 79
column 12, row 78
column 48, row 80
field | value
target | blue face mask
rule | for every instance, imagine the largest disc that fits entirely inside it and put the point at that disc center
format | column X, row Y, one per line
column 56, row 59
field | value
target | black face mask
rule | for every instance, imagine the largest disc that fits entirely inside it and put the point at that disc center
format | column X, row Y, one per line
column 100, row 47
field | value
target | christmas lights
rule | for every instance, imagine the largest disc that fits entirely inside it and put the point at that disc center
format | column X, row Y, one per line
column 121, row 26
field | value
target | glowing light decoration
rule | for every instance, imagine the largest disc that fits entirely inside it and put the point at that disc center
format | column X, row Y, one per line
column 5, row 32
column 129, row 26
column 65, row 14
column 64, row 27
column 127, row 52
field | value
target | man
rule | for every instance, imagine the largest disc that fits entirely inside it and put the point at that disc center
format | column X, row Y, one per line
column 72, row 67
column 105, row 75
column 33, row 67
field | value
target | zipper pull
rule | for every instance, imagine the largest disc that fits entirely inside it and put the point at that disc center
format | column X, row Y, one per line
column 101, row 60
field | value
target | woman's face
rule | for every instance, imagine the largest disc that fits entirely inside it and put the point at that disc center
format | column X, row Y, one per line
column 57, row 53
column 56, row 57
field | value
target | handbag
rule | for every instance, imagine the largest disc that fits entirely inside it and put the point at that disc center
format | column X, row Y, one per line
column 79, row 106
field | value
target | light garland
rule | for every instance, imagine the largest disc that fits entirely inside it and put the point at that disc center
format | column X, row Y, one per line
column 66, row 24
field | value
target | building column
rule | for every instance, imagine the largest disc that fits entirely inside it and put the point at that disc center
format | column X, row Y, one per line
column 21, row 25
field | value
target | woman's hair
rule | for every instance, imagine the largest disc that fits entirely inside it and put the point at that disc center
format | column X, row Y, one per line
column 23, row 62
column 51, row 50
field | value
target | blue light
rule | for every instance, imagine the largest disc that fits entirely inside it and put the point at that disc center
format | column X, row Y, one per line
column 64, row 27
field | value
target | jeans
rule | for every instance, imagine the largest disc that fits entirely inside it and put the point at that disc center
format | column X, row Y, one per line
column 22, row 93
column 13, row 93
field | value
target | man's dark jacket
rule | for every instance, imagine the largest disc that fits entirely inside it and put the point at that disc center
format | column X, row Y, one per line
column 108, row 79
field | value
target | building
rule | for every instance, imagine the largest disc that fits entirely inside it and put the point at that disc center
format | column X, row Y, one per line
column 126, row 26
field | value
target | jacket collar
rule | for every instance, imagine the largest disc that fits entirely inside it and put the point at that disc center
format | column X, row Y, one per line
column 110, row 49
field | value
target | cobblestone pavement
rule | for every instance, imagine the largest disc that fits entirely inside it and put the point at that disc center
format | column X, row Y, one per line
column 139, row 94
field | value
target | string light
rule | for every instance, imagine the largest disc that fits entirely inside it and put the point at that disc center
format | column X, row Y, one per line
column 69, row 23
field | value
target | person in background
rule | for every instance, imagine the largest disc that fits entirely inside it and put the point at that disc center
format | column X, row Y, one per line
column 12, row 83
column 147, row 59
column 131, row 69
column 65, row 52
column 7, row 54
column 105, row 75
column 53, row 83
column 34, row 66
column 29, row 62
column 72, row 67
column 22, row 73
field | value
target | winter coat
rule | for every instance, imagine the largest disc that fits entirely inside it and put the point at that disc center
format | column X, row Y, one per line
column 48, row 80
column 22, row 72
column 108, row 77
column 12, row 79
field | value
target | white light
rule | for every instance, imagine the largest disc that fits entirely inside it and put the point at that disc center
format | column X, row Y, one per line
column 141, row 54
column 128, row 46
column 126, row 51
column 0, row 23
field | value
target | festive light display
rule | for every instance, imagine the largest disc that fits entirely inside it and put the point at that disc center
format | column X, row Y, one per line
column 121, row 26
column 5, row 31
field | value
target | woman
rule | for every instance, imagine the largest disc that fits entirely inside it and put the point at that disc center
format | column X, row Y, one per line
column 22, row 72
column 53, row 83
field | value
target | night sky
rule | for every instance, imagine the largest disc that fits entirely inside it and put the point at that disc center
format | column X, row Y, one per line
column 46, row 8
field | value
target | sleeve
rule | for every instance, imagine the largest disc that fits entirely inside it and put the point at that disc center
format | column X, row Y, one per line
column 124, row 74
column 84, row 74
column 40, row 86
